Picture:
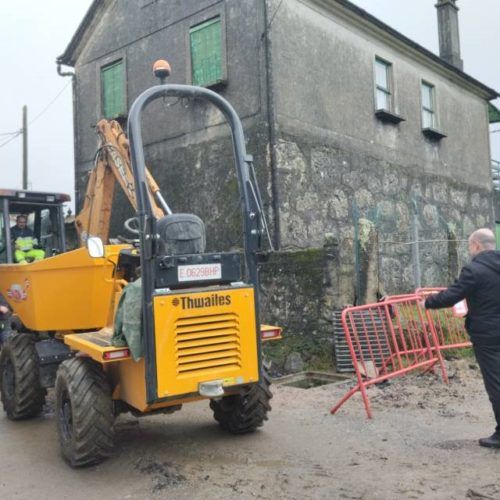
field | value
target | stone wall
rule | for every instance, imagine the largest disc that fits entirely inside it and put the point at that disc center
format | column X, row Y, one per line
column 299, row 292
column 325, row 191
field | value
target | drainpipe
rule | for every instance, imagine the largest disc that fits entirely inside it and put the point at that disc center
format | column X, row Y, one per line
column 271, row 121
column 72, row 74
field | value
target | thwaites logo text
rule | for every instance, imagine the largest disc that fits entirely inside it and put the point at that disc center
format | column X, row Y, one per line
column 213, row 300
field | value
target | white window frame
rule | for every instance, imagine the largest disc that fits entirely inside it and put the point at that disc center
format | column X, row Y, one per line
column 424, row 109
column 389, row 89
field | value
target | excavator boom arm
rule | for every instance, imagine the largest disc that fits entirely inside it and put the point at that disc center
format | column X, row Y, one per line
column 112, row 165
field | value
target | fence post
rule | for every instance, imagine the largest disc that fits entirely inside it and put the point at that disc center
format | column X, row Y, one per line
column 452, row 253
column 368, row 284
column 415, row 253
column 357, row 257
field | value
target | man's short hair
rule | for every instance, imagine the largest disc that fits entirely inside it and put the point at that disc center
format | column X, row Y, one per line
column 19, row 217
column 485, row 238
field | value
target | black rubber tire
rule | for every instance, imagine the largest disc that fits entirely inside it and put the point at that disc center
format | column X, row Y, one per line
column 244, row 412
column 22, row 395
column 84, row 412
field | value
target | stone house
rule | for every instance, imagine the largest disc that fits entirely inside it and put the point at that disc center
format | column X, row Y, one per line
column 354, row 128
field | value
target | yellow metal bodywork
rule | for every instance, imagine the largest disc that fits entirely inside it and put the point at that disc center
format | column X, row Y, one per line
column 70, row 291
column 205, row 336
column 95, row 345
column 129, row 379
column 201, row 335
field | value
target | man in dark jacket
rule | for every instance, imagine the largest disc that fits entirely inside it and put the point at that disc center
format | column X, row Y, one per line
column 479, row 284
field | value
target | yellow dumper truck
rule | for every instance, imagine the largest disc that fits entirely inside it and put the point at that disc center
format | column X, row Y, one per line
column 188, row 320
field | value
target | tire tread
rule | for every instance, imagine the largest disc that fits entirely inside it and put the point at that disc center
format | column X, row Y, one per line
column 245, row 412
column 29, row 396
column 92, row 440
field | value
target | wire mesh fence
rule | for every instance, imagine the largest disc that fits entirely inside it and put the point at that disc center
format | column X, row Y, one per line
column 414, row 248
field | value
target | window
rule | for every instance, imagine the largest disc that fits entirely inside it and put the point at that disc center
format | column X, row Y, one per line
column 428, row 106
column 113, row 90
column 383, row 84
column 206, row 53
column 49, row 230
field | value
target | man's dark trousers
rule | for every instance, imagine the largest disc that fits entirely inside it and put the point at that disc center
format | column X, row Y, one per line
column 488, row 358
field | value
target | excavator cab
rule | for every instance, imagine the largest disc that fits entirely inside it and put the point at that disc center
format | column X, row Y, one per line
column 44, row 216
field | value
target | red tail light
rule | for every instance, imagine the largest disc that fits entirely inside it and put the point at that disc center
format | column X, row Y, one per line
column 113, row 355
column 270, row 332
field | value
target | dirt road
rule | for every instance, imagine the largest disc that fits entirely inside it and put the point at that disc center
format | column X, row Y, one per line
column 421, row 444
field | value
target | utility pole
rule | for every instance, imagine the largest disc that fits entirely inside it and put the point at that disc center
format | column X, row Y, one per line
column 25, row 147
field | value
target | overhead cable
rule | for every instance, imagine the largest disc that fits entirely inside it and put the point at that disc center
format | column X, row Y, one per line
column 50, row 103
column 10, row 140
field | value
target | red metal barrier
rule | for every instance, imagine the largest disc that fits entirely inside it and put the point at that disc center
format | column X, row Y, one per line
column 389, row 339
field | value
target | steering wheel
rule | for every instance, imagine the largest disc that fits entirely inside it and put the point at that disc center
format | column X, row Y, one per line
column 128, row 241
column 132, row 225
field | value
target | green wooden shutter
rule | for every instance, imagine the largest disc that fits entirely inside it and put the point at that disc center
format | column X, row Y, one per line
column 113, row 90
column 206, row 52
column 497, row 234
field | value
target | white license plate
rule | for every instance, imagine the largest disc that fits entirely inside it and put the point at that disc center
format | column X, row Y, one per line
column 199, row 272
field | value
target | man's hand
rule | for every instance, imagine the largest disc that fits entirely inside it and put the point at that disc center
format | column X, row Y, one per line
column 4, row 309
column 421, row 301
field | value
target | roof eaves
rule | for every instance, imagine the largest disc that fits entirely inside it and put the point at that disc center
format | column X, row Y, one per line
column 491, row 93
column 68, row 58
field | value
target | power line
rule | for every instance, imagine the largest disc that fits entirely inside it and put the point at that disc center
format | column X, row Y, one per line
column 11, row 139
column 495, row 131
column 50, row 103
column 15, row 135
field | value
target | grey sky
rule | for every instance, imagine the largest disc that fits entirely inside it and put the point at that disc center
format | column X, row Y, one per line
column 34, row 33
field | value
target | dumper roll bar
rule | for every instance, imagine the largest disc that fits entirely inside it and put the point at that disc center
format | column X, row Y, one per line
column 254, row 223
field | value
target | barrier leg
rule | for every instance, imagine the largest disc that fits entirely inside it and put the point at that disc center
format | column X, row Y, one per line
column 361, row 388
column 437, row 347
column 366, row 401
column 346, row 396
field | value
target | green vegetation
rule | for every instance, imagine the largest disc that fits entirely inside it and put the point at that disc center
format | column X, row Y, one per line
column 314, row 354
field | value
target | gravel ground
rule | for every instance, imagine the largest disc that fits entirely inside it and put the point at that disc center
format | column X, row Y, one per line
column 422, row 444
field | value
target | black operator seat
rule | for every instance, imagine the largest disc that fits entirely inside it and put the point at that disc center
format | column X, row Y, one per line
column 181, row 234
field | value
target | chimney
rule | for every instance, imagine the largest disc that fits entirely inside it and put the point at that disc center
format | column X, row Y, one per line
column 449, row 37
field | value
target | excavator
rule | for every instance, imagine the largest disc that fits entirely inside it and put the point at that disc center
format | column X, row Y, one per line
column 144, row 326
